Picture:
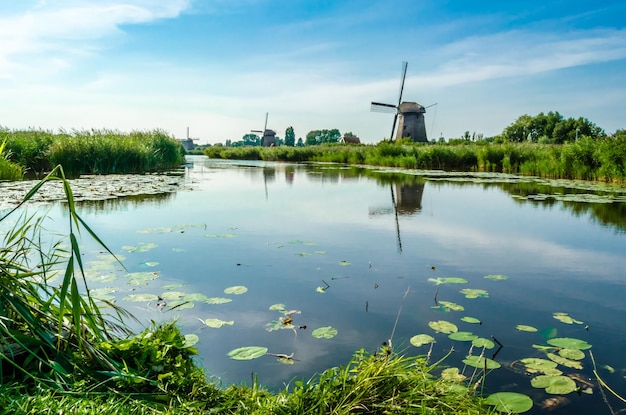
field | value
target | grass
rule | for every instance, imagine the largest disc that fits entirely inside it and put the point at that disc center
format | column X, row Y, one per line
column 602, row 159
column 36, row 152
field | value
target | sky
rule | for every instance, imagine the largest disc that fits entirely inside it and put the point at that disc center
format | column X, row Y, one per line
column 216, row 67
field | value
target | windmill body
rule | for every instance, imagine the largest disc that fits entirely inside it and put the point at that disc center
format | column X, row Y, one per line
column 268, row 138
column 411, row 122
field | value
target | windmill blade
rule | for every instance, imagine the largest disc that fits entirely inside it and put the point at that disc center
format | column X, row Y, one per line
column 404, row 66
column 393, row 127
column 266, row 115
column 431, row 105
column 381, row 107
column 257, row 131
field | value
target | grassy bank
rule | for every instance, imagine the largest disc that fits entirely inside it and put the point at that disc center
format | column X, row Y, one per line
column 36, row 152
column 62, row 351
column 602, row 159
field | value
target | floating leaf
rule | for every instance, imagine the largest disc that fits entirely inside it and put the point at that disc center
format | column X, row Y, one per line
column 569, row 343
column 496, row 277
column 536, row 365
column 141, row 278
column 278, row 307
column 181, row 305
column 452, row 374
column 421, row 339
column 190, row 340
column 320, row 252
column 557, row 385
column 218, row 300
column 523, row 327
column 173, row 295
column 327, row 332
column 247, row 353
column 321, row 290
column 609, row 368
column 480, row 362
column 566, row 318
column 572, row 354
column 304, row 254
column 442, row 326
column 574, row 364
column 510, row 402
column 448, row 280
column 196, row 297
column 236, row 290
column 474, row 293
column 452, row 306
column 216, row 323
column 344, row 263
column 172, row 286
column 482, row 342
column 463, row 336
column 471, row 320
column 141, row 297
column 148, row 264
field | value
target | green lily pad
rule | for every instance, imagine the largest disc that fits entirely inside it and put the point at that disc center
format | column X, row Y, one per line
column 496, row 277
column 218, row 300
column 247, row 353
column 344, row 263
column 482, row 342
column 173, row 295
column 319, row 253
column 463, row 336
column 452, row 306
column 448, row 280
column 190, row 340
column 172, row 286
column 471, row 320
column 421, row 339
column 327, row 332
column 141, row 278
column 278, row 307
column 149, row 264
column 557, row 385
column 480, row 362
column 196, row 297
column 141, row 297
column 569, row 343
column 523, row 327
column 216, row 323
column 510, row 402
column 452, row 374
column 236, row 290
column 536, row 365
column 566, row 318
column 574, row 364
column 443, row 326
column 181, row 305
column 321, row 290
column 474, row 293
column 572, row 354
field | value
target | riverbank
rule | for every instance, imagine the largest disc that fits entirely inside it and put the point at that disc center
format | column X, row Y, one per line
column 600, row 159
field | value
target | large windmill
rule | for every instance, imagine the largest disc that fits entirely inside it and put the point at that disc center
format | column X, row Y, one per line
column 268, row 137
column 410, row 114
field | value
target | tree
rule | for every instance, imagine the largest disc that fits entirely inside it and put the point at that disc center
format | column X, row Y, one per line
column 251, row 140
column 322, row 137
column 550, row 127
column 290, row 137
column 300, row 143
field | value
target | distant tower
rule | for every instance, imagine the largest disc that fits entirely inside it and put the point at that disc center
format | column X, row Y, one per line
column 411, row 122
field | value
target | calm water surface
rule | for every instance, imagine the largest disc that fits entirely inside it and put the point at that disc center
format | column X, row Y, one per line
column 283, row 230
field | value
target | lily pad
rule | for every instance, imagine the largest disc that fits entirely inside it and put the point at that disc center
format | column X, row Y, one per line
column 173, row 295
column 141, row 297
column 236, row 290
column 510, row 402
column 443, row 326
column 278, row 307
column 181, row 305
column 172, row 286
column 216, row 323
column 218, row 300
column 421, row 339
column 523, row 327
column 452, row 374
column 448, row 280
column 557, row 385
column 344, row 263
column 482, row 342
column 574, row 364
column 569, row 343
column 327, row 332
column 463, row 336
column 572, row 354
column 471, row 320
column 196, row 297
column 566, row 318
column 191, row 339
column 536, row 365
column 452, row 306
column 480, row 362
column 148, row 264
column 474, row 293
column 141, row 278
column 496, row 277
column 247, row 353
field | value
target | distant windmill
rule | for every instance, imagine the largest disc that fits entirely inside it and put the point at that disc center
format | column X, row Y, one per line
column 411, row 115
column 188, row 143
column 268, row 137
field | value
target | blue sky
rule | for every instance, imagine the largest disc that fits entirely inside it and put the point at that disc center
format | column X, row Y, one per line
column 217, row 66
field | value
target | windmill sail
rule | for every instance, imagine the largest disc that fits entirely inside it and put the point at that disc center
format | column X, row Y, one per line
column 389, row 108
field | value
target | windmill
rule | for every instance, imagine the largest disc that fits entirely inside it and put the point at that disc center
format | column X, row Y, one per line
column 188, row 143
column 410, row 114
column 268, row 137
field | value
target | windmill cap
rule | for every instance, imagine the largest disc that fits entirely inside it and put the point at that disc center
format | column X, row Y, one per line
column 411, row 107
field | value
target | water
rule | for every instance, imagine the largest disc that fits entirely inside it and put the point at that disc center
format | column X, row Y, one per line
column 284, row 230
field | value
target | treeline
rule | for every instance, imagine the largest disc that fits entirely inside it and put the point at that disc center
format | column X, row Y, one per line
column 35, row 152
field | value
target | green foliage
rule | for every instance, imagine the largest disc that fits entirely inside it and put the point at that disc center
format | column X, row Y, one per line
column 290, row 137
column 550, row 127
column 322, row 137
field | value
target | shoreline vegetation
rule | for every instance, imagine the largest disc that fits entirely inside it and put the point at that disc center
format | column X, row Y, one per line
column 600, row 159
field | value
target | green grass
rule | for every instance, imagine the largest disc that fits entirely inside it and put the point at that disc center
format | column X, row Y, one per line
column 602, row 159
